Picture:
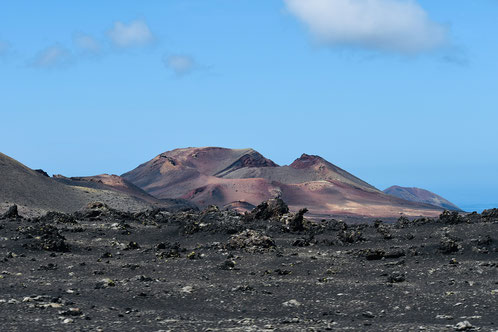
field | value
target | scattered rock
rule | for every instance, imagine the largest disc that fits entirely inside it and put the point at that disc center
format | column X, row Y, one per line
column 296, row 221
column 132, row 245
column 143, row 278
column 396, row 277
column 104, row 283
column 463, row 326
column 272, row 209
column 251, row 241
column 350, row 236
column 451, row 217
column 187, row 290
column 368, row 314
column 229, row 264
column 292, row 303
column 449, row 245
column 12, row 213
column 42, row 172
column 46, row 237
column 57, row 217
column 73, row 312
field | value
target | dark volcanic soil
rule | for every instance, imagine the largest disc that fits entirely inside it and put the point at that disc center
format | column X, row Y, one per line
column 104, row 270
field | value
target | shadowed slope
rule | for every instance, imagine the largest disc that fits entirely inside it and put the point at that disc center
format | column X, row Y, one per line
column 107, row 181
column 304, row 169
column 117, row 183
column 36, row 192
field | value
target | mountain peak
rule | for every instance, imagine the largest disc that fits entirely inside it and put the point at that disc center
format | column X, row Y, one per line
column 306, row 160
column 240, row 178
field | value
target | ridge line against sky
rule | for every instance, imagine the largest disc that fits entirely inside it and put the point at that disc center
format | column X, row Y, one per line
column 394, row 91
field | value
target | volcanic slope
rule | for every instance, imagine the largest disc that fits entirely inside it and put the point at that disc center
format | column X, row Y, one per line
column 117, row 183
column 243, row 177
column 421, row 196
column 37, row 193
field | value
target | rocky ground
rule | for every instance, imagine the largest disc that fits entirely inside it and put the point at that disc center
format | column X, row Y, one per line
column 103, row 270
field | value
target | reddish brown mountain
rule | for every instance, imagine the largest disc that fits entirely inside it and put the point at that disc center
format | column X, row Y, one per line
column 106, row 181
column 241, row 178
column 421, row 196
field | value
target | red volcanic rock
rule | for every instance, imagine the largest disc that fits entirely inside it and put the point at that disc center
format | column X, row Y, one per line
column 306, row 160
column 239, row 206
column 117, row 183
column 224, row 177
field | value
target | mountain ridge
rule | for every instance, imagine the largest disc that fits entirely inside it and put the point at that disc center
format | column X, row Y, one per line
column 422, row 196
column 36, row 193
column 244, row 177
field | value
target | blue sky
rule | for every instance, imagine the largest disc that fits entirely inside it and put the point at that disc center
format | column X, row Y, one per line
column 396, row 92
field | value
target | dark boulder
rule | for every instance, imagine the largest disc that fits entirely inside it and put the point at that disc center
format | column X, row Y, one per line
column 271, row 209
column 45, row 237
column 451, row 217
column 42, row 172
column 251, row 241
column 490, row 215
column 296, row 223
column 12, row 213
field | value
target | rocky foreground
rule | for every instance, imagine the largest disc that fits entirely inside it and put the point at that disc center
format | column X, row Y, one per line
column 100, row 269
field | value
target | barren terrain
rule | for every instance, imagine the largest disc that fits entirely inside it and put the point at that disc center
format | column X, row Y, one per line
column 103, row 270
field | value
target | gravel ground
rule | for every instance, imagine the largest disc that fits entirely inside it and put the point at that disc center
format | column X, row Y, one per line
column 104, row 270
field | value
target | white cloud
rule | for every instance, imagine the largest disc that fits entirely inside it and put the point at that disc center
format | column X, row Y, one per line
column 180, row 64
column 137, row 33
column 389, row 25
column 87, row 43
column 52, row 56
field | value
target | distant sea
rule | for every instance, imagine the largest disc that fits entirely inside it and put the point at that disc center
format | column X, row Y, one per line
column 478, row 207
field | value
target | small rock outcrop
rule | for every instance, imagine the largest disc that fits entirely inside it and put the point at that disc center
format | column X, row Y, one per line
column 272, row 209
column 12, row 213
column 251, row 241
column 42, row 172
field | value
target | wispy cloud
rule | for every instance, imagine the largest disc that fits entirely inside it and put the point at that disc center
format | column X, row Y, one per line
column 180, row 64
column 52, row 56
column 400, row 26
column 134, row 34
column 456, row 56
column 4, row 47
column 87, row 44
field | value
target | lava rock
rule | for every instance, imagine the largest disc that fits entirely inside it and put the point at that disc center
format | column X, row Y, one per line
column 296, row 222
column 251, row 241
column 451, row 217
column 42, row 172
column 350, row 236
column 449, row 245
column 292, row 303
column 463, row 326
column 104, row 283
column 12, row 213
column 271, row 209
column 396, row 277
column 46, row 237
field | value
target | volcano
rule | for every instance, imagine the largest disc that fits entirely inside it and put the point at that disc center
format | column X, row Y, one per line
column 244, row 178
